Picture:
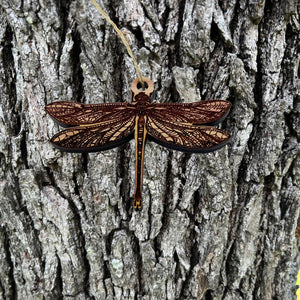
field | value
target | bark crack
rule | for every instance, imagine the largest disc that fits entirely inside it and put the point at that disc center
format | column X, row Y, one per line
column 77, row 76
column 167, row 195
column 12, row 292
column 139, row 263
column 9, row 82
column 149, row 17
column 166, row 208
column 122, row 172
column 23, row 145
column 118, row 61
column 58, row 282
column 182, row 176
column 164, row 18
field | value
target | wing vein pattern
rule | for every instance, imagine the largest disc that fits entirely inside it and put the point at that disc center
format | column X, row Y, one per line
column 68, row 113
column 113, row 131
column 185, row 137
column 203, row 112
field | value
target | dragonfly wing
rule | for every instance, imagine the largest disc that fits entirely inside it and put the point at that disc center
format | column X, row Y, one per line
column 186, row 137
column 96, row 137
column 210, row 112
column 68, row 113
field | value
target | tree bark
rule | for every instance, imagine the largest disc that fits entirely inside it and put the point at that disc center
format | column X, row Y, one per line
column 213, row 226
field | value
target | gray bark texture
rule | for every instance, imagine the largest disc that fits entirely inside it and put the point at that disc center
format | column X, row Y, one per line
column 213, row 226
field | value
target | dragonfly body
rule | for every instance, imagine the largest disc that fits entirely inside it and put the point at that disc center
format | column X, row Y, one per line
column 140, row 138
column 180, row 126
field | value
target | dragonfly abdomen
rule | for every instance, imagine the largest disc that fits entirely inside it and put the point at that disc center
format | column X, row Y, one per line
column 140, row 137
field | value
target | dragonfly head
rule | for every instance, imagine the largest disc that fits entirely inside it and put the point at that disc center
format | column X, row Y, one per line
column 138, row 94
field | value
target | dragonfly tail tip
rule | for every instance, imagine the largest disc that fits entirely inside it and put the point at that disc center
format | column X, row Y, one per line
column 137, row 201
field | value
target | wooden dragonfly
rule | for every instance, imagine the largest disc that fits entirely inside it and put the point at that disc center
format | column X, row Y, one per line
column 185, row 127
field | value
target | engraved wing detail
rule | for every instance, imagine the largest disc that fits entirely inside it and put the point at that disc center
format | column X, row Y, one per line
column 186, row 137
column 209, row 112
column 98, row 136
column 68, row 113
column 107, row 125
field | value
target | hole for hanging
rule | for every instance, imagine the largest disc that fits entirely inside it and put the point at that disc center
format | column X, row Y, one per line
column 139, row 85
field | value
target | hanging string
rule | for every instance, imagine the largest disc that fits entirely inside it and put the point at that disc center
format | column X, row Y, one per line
column 123, row 40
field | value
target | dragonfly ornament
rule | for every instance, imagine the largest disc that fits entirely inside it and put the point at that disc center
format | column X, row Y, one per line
column 185, row 127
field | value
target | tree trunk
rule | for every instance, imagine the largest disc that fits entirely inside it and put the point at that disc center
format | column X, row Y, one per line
column 213, row 226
